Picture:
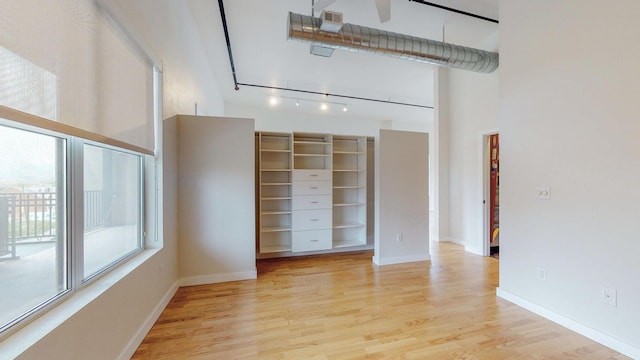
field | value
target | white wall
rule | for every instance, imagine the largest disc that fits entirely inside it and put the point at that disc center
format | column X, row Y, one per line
column 216, row 199
column 468, row 106
column 413, row 126
column 473, row 109
column 569, row 120
column 439, row 165
column 188, row 78
column 283, row 120
column 402, row 197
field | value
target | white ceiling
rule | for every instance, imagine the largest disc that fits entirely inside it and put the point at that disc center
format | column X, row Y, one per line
column 263, row 56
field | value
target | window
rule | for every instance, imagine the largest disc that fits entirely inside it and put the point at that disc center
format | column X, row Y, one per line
column 112, row 207
column 79, row 106
column 37, row 222
column 33, row 246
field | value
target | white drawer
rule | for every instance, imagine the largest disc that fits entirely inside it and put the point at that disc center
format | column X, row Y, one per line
column 311, row 219
column 311, row 240
column 310, row 202
column 311, row 175
column 312, row 188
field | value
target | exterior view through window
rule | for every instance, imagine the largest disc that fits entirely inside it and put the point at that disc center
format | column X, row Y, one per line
column 37, row 221
column 33, row 246
column 112, row 210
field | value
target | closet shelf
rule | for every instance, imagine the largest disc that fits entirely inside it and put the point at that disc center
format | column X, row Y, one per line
column 347, row 170
column 347, row 204
column 276, row 212
column 274, row 249
column 275, row 151
column 312, row 142
column 346, row 225
column 267, row 229
column 347, row 243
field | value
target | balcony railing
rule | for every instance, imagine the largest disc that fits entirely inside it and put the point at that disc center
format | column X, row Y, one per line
column 26, row 217
column 93, row 210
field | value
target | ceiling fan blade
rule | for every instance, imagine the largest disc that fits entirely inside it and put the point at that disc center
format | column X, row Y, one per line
column 321, row 4
column 384, row 9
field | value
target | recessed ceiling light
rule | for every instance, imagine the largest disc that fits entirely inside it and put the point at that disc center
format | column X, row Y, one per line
column 345, row 108
column 324, row 106
column 297, row 103
column 273, row 101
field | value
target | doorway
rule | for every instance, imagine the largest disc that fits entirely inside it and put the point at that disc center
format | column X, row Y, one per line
column 492, row 194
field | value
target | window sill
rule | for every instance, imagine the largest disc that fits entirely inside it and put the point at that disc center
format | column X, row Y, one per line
column 17, row 342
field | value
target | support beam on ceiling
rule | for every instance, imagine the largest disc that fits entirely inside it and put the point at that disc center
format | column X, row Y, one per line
column 455, row 11
column 238, row 84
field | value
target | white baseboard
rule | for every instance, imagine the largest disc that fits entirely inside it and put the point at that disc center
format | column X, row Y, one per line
column 593, row 334
column 133, row 344
column 467, row 248
column 218, row 278
column 474, row 250
column 452, row 240
column 400, row 259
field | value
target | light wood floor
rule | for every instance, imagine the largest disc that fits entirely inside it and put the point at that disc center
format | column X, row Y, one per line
column 344, row 307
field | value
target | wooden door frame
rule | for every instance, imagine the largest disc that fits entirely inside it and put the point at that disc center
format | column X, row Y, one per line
column 485, row 173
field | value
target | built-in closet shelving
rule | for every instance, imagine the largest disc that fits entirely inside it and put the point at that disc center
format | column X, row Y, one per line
column 275, row 193
column 349, row 191
column 312, row 191
column 311, row 151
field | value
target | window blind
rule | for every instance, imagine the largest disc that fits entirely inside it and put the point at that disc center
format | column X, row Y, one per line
column 66, row 61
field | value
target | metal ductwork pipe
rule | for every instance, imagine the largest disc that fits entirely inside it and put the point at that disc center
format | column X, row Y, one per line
column 364, row 39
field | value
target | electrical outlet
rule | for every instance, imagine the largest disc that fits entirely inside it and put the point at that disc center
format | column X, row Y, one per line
column 610, row 296
column 542, row 274
column 543, row 192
